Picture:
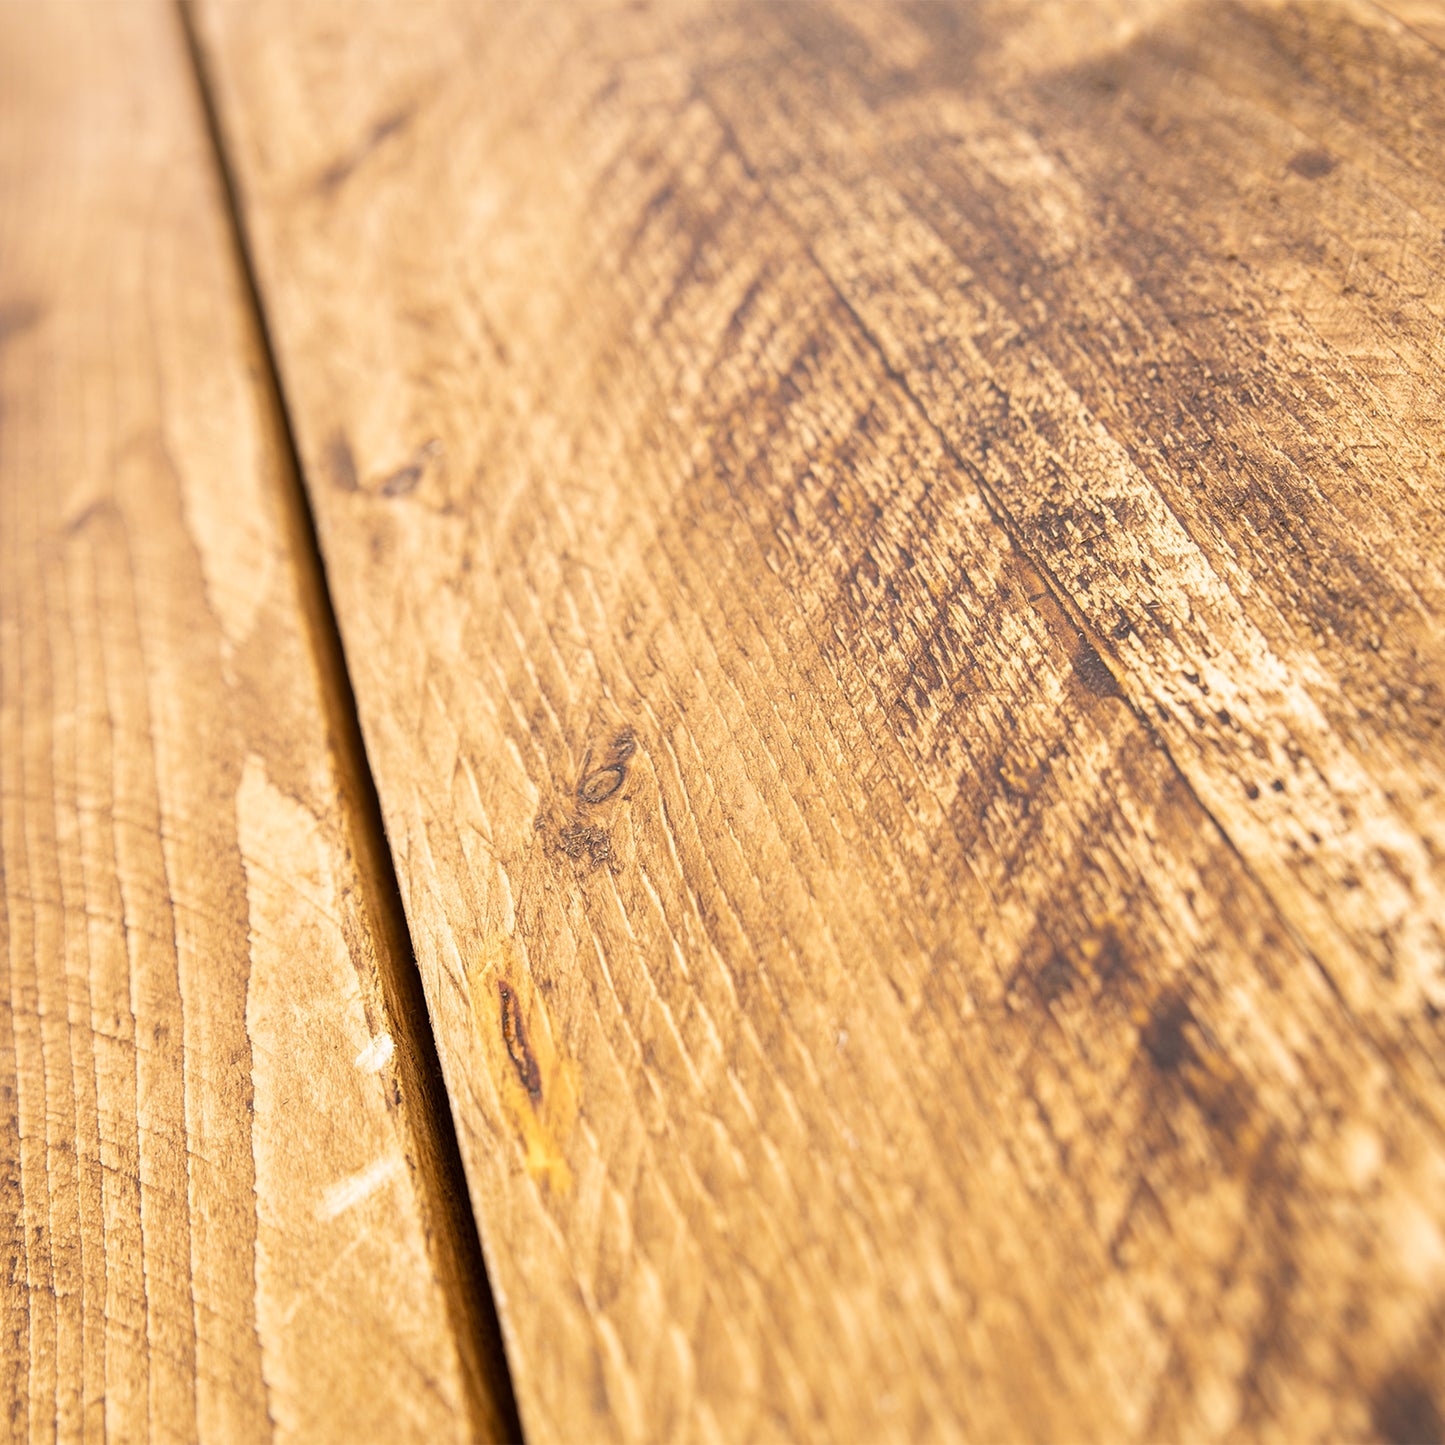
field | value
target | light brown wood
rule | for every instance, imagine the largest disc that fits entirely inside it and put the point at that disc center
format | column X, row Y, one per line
column 1425, row 17
column 891, row 559
column 213, row 1204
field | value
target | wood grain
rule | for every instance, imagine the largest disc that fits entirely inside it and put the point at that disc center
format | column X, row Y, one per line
column 1425, row 17
column 892, row 563
column 215, row 1215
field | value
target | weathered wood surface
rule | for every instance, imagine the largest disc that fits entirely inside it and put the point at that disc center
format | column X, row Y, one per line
column 212, row 1196
column 1425, row 17
column 891, row 559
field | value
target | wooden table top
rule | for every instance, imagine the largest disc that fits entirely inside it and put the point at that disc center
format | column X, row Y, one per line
column 723, row 722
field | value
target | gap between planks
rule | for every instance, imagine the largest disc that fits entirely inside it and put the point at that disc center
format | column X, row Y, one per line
column 455, row 1240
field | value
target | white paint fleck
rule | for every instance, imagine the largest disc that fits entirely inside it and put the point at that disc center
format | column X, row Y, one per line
column 373, row 1058
column 349, row 1192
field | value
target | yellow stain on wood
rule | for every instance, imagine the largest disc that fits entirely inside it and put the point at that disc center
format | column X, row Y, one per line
column 537, row 1084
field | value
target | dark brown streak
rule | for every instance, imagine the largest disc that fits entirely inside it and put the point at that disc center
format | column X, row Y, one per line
column 514, row 1032
column 339, row 171
column 399, row 483
column 340, row 463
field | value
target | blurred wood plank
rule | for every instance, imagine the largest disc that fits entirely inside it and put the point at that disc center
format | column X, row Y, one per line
column 891, row 558
column 1425, row 17
column 215, row 1219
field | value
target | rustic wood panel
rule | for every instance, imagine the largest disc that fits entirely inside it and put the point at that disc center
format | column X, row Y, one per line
column 892, row 563
column 1425, row 17
column 214, row 1213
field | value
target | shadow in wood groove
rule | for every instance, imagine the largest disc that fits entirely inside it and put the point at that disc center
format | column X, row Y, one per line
column 451, row 1227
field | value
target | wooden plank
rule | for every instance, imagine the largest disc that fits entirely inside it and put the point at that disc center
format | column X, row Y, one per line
column 215, row 1213
column 892, row 564
column 1425, row 17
